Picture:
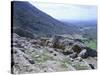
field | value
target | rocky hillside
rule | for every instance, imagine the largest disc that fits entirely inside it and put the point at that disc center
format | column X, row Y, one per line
column 50, row 55
column 41, row 43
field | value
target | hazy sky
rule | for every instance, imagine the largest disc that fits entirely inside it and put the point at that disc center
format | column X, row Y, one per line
column 68, row 12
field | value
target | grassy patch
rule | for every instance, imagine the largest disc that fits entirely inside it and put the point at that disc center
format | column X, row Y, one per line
column 79, row 67
column 91, row 44
column 65, row 63
column 41, row 57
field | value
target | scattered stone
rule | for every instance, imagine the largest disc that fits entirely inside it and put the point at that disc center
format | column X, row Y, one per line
column 36, row 56
column 55, row 54
column 91, row 66
column 31, row 61
column 45, row 71
column 51, row 51
column 79, row 58
column 74, row 55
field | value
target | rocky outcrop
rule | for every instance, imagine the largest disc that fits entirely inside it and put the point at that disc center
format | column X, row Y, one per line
column 58, row 42
column 91, row 52
column 37, row 55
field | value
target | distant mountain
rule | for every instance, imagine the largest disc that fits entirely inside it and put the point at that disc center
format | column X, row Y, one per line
column 81, row 23
column 28, row 20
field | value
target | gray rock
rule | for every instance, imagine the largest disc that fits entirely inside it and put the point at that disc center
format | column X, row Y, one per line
column 91, row 52
column 82, row 53
column 74, row 55
column 76, row 48
column 59, row 42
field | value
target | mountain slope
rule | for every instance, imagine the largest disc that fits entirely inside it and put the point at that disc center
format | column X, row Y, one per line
column 28, row 20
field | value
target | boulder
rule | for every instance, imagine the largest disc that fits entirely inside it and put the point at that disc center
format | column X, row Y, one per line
column 78, row 40
column 44, row 41
column 83, row 53
column 58, row 42
column 90, row 52
column 92, row 66
column 74, row 55
column 76, row 48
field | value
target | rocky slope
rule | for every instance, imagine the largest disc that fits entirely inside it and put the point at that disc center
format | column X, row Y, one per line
column 41, row 43
column 50, row 55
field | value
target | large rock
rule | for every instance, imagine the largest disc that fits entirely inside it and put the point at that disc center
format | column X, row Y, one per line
column 83, row 53
column 44, row 41
column 58, row 42
column 76, row 48
column 87, row 52
column 90, row 52
column 74, row 55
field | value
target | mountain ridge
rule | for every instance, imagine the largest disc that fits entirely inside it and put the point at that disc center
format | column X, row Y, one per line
column 27, row 18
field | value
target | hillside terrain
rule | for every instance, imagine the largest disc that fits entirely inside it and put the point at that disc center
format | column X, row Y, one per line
column 28, row 19
column 88, row 32
column 51, row 55
column 41, row 43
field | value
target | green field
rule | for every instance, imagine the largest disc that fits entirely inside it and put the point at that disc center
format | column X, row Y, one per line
column 91, row 43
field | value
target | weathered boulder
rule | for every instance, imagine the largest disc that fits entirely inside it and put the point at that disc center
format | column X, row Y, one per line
column 43, row 41
column 74, row 55
column 83, row 53
column 87, row 52
column 59, row 42
column 76, row 48
column 90, row 52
